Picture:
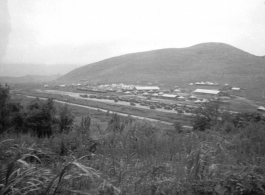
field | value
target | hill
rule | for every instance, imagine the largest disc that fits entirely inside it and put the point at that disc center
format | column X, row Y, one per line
column 21, row 69
column 28, row 79
column 216, row 62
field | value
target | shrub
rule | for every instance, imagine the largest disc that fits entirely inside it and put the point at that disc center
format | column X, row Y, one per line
column 206, row 116
column 41, row 118
column 249, row 144
column 9, row 111
column 178, row 127
column 65, row 119
column 85, row 125
column 241, row 120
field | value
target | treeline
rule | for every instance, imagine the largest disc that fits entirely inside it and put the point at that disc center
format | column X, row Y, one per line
column 39, row 118
column 211, row 116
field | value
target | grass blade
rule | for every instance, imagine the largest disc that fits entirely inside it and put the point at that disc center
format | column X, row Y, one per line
column 9, row 171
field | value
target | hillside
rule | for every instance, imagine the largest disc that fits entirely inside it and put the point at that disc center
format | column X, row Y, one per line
column 28, row 79
column 215, row 62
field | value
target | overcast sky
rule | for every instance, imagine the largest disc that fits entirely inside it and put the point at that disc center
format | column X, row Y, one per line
column 78, row 32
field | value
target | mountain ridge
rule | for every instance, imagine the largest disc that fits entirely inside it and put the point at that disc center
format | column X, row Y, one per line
column 193, row 57
column 29, row 79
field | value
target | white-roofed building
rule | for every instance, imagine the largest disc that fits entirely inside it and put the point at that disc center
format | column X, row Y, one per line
column 207, row 91
column 235, row 88
column 192, row 97
column 261, row 108
column 181, row 98
column 201, row 101
column 147, row 88
column 170, row 96
column 199, row 83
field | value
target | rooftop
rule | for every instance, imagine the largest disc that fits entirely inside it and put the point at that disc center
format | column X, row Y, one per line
column 147, row 88
column 207, row 91
column 169, row 96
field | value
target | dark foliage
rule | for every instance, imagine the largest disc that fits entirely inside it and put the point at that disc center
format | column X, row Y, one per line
column 40, row 118
column 115, row 124
column 10, row 115
column 207, row 116
column 243, row 119
column 65, row 119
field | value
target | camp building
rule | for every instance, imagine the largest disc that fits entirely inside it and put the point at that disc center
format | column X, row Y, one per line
column 206, row 92
column 147, row 88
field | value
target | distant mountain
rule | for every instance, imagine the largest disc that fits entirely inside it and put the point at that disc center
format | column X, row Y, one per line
column 216, row 62
column 29, row 79
column 19, row 70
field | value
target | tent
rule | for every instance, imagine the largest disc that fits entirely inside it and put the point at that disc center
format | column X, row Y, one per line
column 261, row 108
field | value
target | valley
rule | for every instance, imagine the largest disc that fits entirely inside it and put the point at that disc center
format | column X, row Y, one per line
column 183, row 119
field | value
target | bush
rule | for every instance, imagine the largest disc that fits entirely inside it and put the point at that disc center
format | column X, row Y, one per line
column 41, row 118
column 9, row 111
column 249, row 144
column 241, row 120
column 178, row 127
column 207, row 116
column 65, row 119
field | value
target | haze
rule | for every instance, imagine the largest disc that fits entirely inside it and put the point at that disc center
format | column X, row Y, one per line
column 47, row 37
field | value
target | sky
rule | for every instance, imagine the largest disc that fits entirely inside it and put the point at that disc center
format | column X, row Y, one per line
column 55, row 36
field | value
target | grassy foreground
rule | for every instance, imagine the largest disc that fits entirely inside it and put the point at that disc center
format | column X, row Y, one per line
column 43, row 151
column 135, row 157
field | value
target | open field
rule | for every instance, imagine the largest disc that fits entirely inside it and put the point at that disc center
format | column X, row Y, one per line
column 99, row 118
column 126, row 109
column 236, row 104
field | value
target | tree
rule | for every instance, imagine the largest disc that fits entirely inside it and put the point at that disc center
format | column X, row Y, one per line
column 4, row 108
column 41, row 118
column 8, row 109
column 65, row 119
column 206, row 116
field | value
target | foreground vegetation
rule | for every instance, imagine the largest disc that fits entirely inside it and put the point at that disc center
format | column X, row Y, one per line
column 43, row 152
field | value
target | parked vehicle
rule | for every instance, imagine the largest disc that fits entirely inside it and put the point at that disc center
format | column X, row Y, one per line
column 83, row 95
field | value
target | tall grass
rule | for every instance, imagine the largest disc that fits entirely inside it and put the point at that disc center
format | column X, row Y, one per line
column 135, row 157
